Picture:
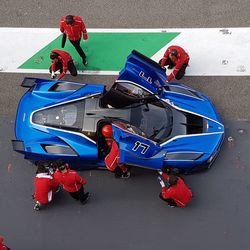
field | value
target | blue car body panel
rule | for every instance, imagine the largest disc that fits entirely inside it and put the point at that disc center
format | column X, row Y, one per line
column 195, row 128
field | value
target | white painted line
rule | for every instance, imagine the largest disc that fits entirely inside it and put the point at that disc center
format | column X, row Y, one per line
column 46, row 71
column 19, row 44
column 213, row 51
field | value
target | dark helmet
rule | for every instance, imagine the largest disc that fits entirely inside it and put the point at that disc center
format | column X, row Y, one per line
column 41, row 168
column 172, row 180
column 61, row 167
column 61, row 164
column 107, row 130
column 173, row 52
column 165, row 169
column 53, row 55
column 69, row 19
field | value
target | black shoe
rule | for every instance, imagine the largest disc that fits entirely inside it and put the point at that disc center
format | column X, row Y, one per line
column 84, row 61
column 87, row 196
column 37, row 206
column 171, row 206
column 170, row 67
column 125, row 175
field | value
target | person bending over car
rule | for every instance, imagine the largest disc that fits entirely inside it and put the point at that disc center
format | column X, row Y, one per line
column 45, row 186
column 112, row 160
column 176, row 193
column 61, row 60
column 177, row 58
column 72, row 182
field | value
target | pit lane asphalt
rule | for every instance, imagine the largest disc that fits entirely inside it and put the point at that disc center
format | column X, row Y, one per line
column 127, row 214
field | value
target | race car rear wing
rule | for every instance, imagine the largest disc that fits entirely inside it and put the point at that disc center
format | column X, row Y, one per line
column 29, row 82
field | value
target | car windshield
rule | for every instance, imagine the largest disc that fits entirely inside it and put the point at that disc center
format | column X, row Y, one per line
column 69, row 116
column 154, row 119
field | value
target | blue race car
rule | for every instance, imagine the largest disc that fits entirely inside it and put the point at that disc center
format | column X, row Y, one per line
column 155, row 123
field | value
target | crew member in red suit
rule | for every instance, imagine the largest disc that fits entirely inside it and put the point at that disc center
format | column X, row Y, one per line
column 61, row 60
column 74, row 28
column 176, row 193
column 112, row 160
column 45, row 187
column 71, row 182
column 2, row 246
column 177, row 58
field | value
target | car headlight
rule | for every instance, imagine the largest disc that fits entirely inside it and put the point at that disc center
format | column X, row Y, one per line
column 183, row 156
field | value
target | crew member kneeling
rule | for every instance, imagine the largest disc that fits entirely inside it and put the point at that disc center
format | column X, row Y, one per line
column 45, row 187
column 61, row 60
column 176, row 193
column 177, row 58
column 71, row 181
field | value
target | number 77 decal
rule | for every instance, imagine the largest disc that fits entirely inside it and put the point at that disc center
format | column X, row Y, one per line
column 144, row 147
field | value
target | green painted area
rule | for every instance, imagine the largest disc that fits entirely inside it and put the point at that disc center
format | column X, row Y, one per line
column 104, row 51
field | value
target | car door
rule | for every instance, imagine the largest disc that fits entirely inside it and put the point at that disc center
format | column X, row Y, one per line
column 137, row 150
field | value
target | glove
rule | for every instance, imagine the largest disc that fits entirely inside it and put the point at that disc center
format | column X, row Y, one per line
column 160, row 172
column 161, row 181
column 51, row 171
column 159, row 178
column 53, row 75
column 85, row 36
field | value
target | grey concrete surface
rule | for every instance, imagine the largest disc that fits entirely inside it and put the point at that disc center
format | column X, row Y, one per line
column 128, row 214
column 229, row 94
column 128, row 14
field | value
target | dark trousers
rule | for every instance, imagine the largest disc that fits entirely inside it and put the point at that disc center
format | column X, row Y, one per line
column 71, row 68
column 78, row 48
column 182, row 70
column 118, row 172
column 170, row 202
column 79, row 195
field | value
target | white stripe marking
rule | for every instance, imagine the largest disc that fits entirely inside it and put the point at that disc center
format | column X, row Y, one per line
column 213, row 51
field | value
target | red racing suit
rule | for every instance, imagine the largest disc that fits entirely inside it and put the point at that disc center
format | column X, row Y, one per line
column 74, row 31
column 45, row 187
column 112, row 160
column 180, row 192
column 64, row 57
column 70, row 180
column 2, row 246
column 182, row 58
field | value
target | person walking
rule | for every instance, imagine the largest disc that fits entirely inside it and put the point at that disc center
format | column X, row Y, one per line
column 61, row 60
column 177, row 58
column 45, row 186
column 176, row 193
column 72, row 182
column 74, row 28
